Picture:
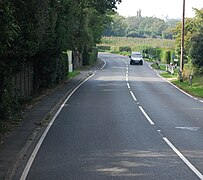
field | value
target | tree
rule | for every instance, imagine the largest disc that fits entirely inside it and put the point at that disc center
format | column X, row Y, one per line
column 196, row 41
column 40, row 31
column 196, row 51
column 116, row 27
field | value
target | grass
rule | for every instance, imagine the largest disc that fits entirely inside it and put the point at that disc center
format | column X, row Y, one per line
column 196, row 89
column 169, row 76
column 136, row 44
column 73, row 74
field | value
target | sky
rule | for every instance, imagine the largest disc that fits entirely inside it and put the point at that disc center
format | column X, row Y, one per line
column 159, row 8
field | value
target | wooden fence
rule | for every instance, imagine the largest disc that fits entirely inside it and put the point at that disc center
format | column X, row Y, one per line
column 23, row 81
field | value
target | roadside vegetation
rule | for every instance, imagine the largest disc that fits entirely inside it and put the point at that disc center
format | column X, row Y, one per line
column 34, row 37
column 160, row 42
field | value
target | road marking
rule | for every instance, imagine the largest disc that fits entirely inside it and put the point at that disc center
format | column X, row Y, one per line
column 103, row 65
column 159, row 131
column 135, row 99
column 145, row 114
column 180, row 89
column 127, row 78
column 189, row 128
column 183, row 158
column 34, row 153
column 128, row 85
column 150, row 66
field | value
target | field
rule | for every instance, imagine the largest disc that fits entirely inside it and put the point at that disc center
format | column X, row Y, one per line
column 136, row 44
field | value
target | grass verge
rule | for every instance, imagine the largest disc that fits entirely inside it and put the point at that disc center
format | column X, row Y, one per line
column 73, row 74
column 195, row 89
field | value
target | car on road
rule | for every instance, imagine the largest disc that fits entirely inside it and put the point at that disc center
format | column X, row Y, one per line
column 136, row 58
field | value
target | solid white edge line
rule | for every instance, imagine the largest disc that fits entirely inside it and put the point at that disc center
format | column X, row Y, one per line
column 149, row 66
column 34, row 153
column 183, row 158
column 145, row 114
column 135, row 99
column 176, row 87
column 103, row 65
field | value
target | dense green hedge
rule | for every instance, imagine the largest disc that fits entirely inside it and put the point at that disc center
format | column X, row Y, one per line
column 104, row 48
column 159, row 54
column 39, row 32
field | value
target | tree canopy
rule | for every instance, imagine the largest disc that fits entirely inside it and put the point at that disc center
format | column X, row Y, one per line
column 138, row 26
column 40, row 31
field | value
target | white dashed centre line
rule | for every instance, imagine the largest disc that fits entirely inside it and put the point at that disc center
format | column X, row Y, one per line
column 145, row 114
column 183, row 158
column 135, row 99
column 128, row 85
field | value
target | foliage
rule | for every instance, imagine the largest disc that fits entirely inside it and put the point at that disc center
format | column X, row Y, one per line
column 167, row 57
column 196, row 43
column 138, row 26
column 196, row 89
column 125, row 48
column 39, row 32
column 196, row 50
column 192, row 34
column 116, row 27
column 137, row 44
column 151, row 48
column 104, row 48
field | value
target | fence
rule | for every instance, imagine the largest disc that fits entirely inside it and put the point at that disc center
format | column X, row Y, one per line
column 23, row 81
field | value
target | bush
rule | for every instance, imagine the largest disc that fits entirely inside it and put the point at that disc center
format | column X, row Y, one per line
column 125, row 48
column 104, row 48
column 198, row 71
column 90, row 57
column 167, row 57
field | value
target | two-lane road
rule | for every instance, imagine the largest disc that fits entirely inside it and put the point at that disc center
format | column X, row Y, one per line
column 125, row 122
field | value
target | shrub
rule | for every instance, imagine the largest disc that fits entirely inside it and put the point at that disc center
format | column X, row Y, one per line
column 167, row 57
column 125, row 48
column 104, row 48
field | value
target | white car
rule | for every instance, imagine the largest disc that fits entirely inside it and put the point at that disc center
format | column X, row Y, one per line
column 136, row 58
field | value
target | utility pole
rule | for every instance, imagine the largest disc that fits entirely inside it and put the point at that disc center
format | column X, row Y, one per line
column 182, row 39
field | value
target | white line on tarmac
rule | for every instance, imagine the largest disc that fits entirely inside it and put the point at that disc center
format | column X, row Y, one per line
column 34, row 153
column 149, row 66
column 135, row 99
column 145, row 114
column 103, row 65
column 128, row 85
column 176, row 87
column 180, row 89
column 183, row 158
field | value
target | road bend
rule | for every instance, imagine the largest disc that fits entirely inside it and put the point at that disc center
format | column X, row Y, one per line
column 124, row 122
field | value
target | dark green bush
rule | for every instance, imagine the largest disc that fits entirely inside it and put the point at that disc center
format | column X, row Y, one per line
column 125, row 48
column 104, row 48
column 90, row 57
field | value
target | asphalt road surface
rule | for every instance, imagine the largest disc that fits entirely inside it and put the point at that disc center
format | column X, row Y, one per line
column 125, row 122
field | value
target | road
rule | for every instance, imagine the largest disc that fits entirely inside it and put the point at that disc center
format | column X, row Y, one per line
column 125, row 122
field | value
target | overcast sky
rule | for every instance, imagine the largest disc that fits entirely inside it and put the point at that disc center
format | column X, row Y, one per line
column 159, row 8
